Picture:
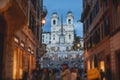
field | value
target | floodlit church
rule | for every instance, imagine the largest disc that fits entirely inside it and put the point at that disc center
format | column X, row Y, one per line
column 60, row 40
column 62, row 33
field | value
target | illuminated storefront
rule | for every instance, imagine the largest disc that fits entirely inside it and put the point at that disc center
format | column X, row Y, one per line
column 23, row 59
column 94, row 65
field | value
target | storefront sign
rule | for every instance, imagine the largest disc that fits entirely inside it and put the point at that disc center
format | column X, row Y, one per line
column 93, row 74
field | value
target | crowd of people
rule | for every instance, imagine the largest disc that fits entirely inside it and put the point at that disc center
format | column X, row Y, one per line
column 50, row 74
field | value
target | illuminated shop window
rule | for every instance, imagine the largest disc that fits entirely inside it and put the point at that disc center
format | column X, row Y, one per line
column 102, row 65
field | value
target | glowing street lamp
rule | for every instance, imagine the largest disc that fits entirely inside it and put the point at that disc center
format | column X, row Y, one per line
column 78, row 45
column 43, row 21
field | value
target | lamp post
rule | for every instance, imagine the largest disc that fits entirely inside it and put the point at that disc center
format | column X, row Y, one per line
column 78, row 46
column 43, row 21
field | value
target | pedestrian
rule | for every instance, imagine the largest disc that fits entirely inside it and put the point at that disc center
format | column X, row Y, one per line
column 25, row 74
column 52, row 75
column 73, row 74
column 65, row 72
column 102, row 74
column 36, row 74
column 44, row 74
column 80, row 73
column 108, row 73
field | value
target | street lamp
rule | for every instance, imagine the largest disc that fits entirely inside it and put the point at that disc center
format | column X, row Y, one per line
column 78, row 45
column 43, row 21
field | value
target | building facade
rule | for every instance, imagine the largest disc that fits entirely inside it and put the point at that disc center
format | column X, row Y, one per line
column 19, row 33
column 101, row 29
column 60, row 43
column 46, row 37
column 61, row 33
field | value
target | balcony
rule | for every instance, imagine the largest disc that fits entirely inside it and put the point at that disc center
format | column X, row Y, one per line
column 85, row 12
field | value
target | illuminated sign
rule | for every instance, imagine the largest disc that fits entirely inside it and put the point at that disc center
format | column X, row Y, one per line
column 93, row 74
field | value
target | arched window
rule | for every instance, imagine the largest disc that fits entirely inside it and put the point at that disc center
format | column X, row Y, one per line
column 54, row 37
column 69, row 36
column 69, row 21
column 54, row 22
column 67, row 48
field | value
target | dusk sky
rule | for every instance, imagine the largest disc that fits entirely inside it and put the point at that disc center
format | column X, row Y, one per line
column 62, row 7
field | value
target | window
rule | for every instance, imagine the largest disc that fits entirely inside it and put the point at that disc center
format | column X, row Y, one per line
column 69, row 21
column 67, row 48
column 106, row 26
column 89, row 45
column 42, row 40
column 96, row 36
column 42, row 36
column 54, row 22
column 94, row 12
column 69, row 36
column 102, row 31
column 54, row 37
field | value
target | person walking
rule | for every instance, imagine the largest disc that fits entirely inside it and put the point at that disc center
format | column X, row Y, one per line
column 102, row 74
column 25, row 74
column 108, row 73
column 45, row 74
column 65, row 72
column 35, row 75
column 73, row 74
column 52, row 75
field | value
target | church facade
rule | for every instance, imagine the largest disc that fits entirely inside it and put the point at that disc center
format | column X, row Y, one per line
column 62, row 33
column 60, row 41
